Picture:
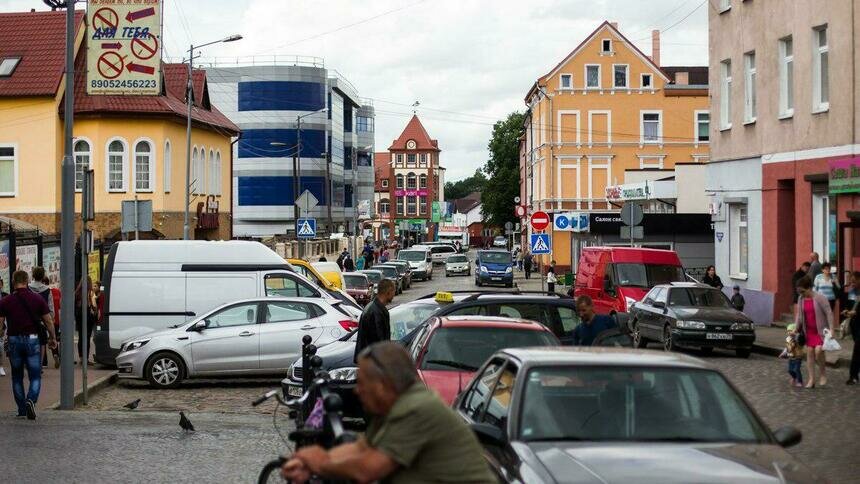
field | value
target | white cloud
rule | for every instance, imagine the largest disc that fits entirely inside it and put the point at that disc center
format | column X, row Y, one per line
column 477, row 57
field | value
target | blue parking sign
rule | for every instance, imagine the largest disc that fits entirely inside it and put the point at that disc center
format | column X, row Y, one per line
column 540, row 244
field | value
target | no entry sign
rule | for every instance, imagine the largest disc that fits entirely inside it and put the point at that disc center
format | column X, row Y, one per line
column 124, row 47
column 540, row 221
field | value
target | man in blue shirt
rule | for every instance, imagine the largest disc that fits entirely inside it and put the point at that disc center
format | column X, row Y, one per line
column 591, row 324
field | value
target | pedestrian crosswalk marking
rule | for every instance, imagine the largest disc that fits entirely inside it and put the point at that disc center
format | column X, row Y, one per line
column 306, row 229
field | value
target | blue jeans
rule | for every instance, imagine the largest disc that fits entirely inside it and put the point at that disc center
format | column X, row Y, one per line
column 794, row 369
column 25, row 351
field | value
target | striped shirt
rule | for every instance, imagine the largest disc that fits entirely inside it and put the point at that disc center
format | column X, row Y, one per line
column 825, row 287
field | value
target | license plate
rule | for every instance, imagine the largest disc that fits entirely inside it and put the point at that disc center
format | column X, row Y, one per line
column 718, row 336
column 496, row 278
column 294, row 391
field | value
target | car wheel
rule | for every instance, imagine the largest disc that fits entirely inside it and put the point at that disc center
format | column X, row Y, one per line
column 478, row 282
column 668, row 342
column 743, row 352
column 510, row 284
column 447, row 274
column 639, row 341
column 165, row 370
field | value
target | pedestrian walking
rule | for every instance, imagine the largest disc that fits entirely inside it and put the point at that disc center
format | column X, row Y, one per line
column 813, row 316
column 712, row 279
column 2, row 332
column 528, row 260
column 794, row 352
column 826, row 285
column 738, row 301
column 853, row 328
column 38, row 287
column 23, row 312
column 799, row 274
column 550, row 280
column 88, row 300
column 348, row 264
column 815, row 266
column 341, row 257
column 375, row 324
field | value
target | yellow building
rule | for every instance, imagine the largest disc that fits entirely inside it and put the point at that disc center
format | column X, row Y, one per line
column 604, row 112
column 134, row 144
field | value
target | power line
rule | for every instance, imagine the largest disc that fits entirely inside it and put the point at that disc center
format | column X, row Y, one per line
column 679, row 22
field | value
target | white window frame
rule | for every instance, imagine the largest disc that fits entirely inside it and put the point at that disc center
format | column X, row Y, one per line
column 212, row 176
column 168, row 165
column 216, row 171
column 151, row 165
column 821, row 224
column 195, row 171
column 786, row 85
column 569, row 112
column 626, row 76
column 659, row 140
column 696, row 123
column 750, row 98
column 603, row 43
column 725, row 94
column 651, row 161
column 125, row 155
column 14, row 159
column 736, row 264
column 608, row 114
column 820, row 105
column 599, row 76
column 384, row 183
column 384, row 206
column 88, row 153
column 561, row 86
column 642, row 80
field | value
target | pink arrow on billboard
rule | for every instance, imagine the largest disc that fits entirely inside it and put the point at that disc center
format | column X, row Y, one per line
column 132, row 67
column 115, row 45
column 146, row 12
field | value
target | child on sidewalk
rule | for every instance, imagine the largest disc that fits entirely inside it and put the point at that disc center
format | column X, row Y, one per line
column 794, row 352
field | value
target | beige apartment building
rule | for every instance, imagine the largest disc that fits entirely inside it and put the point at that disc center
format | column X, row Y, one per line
column 784, row 139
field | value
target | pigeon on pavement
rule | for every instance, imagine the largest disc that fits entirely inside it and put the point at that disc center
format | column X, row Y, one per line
column 185, row 423
column 132, row 405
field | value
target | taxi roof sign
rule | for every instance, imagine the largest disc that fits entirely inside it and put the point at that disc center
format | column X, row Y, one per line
column 444, row 297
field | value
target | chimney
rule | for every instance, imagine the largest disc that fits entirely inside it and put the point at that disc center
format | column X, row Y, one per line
column 682, row 78
column 614, row 25
column 655, row 47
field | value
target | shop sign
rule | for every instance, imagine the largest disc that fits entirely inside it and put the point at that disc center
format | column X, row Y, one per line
column 628, row 191
column 26, row 258
column 844, row 175
column 436, row 212
column 410, row 193
column 51, row 263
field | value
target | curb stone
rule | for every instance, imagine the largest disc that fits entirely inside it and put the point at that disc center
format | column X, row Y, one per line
column 94, row 388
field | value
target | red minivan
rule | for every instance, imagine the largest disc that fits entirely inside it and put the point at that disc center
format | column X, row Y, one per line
column 616, row 277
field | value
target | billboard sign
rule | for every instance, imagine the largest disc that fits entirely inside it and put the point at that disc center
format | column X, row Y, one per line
column 124, row 47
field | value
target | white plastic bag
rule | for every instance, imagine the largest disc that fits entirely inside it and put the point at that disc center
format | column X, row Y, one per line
column 830, row 344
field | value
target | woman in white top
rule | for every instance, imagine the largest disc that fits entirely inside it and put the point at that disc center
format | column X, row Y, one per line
column 826, row 285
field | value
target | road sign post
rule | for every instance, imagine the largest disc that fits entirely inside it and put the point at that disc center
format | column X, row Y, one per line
column 631, row 215
column 306, row 228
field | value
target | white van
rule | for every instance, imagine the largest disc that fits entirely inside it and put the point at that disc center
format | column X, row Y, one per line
column 150, row 285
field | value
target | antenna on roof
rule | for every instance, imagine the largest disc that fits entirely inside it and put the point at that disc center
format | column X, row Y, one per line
column 415, row 106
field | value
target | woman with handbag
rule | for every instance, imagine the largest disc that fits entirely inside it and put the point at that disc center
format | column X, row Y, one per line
column 826, row 285
column 813, row 316
column 92, row 317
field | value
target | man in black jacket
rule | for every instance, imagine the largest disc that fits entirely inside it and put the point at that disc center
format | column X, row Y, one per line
column 851, row 310
column 375, row 325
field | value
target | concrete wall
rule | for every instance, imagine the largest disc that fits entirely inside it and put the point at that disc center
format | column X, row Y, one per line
column 690, row 180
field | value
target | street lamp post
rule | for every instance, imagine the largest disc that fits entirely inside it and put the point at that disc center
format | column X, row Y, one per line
column 189, row 94
column 355, row 189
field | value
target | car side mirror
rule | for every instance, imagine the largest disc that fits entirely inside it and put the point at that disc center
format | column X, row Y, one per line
column 198, row 326
column 489, row 434
column 607, row 285
column 788, row 436
column 660, row 305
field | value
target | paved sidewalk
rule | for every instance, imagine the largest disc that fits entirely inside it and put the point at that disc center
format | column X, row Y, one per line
column 50, row 394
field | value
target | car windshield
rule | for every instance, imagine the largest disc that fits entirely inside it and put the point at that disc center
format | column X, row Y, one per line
column 355, row 282
column 496, row 257
column 373, row 276
column 625, row 403
column 441, row 249
column 387, row 271
column 401, row 268
column 406, row 317
column 412, row 255
column 647, row 275
column 698, row 297
column 457, row 258
column 500, row 239
column 468, row 348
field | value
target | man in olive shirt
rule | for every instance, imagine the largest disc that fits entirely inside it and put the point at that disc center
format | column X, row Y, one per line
column 412, row 437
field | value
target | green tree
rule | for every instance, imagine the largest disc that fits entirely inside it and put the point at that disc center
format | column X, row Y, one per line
column 503, row 170
column 462, row 188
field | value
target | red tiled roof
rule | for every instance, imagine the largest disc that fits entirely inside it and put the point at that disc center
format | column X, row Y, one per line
column 39, row 39
column 172, row 103
column 415, row 130
column 381, row 170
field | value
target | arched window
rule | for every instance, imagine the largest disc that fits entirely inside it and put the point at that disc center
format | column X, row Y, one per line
column 399, row 181
column 116, row 157
column 422, row 181
column 143, row 167
column 168, row 169
column 212, row 174
column 411, row 181
column 82, row 154
column 384, row 206
column 216, row 186
column 195, row 171
column 201, row 182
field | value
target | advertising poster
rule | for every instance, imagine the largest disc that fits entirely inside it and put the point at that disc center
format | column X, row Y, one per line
column 26, row 258
column 51, row 263
column 94, row 266
column 4, row 264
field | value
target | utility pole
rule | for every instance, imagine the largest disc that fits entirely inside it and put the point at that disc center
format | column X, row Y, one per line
column 67, row 222
column 297, row 180
column 328, row 191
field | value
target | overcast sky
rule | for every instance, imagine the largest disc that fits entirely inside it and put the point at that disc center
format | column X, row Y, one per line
column 468, row 62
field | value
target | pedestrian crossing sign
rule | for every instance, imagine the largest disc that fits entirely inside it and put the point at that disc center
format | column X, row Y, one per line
column 540, row 244
column 306, row 227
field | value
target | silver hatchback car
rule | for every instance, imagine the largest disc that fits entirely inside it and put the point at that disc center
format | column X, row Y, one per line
column 251, row 336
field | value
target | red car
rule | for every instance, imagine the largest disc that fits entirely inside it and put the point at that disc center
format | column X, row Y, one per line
column 359, row 287
column 449, row 350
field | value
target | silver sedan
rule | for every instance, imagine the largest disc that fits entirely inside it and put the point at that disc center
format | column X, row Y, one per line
column 251, row 336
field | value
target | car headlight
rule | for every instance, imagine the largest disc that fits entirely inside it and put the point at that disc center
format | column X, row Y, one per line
column 135, row 344
column 690, row 324
column 484, row 269
column 741, row 327
column 509, row 270
column 630, row 302
column 348, row 374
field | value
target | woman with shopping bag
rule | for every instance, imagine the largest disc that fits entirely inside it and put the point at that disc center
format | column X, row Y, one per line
column 813, row 317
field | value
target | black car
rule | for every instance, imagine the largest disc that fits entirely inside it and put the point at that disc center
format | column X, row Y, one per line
column 606, row 415
column 694, row 315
